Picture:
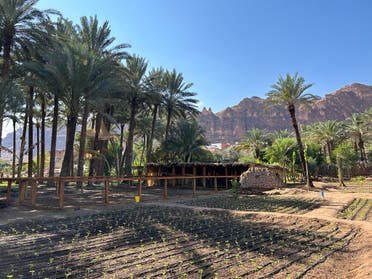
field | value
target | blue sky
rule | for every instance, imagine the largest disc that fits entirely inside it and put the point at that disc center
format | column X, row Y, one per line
column 234, row 49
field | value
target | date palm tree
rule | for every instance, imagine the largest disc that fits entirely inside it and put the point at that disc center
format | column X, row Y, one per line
column 290, row 91
column 20, row 23
column 98, row 39
column 185, row 141
column 358, row 130
column 255, row 141
column 178, row 101
column 134, row 82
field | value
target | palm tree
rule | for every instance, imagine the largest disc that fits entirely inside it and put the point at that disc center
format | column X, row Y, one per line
column 98, row 40
column 280, row 152
column 185, row 141
column 290, row 91
column 358, row 130
column 328, row 133
column 255, row 141
column 19, row 25
column 134, row 82
column 178, row 101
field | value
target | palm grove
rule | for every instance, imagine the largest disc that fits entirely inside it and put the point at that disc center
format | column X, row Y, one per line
column 118, row 112
column 75, row 75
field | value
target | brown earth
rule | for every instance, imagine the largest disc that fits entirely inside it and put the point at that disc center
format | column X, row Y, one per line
column 353, row 262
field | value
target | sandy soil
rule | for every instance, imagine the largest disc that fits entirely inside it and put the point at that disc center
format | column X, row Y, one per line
column 357, row 264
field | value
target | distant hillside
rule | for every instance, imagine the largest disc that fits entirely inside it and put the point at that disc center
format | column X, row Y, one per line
column 233, row 123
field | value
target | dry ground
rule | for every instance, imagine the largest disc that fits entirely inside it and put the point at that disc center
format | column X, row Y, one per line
column 354, row 262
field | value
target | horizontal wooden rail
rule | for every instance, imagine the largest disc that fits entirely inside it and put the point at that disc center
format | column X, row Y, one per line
column 59, row 182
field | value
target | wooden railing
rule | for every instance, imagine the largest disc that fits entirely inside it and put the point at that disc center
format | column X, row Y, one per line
column 60, row 183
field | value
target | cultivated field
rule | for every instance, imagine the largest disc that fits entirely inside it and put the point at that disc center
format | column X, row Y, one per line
column 203, row 237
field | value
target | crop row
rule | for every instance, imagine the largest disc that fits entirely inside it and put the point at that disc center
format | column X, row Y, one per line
column 165, row 242
column 359, row 209
column 258, row 203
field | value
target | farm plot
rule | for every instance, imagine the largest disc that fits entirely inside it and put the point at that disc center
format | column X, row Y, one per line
column 359, row 209
column 258, row 203
column 166, row 242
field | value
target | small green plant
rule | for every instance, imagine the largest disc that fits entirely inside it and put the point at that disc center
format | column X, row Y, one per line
column 235, row 188
column 359, row 179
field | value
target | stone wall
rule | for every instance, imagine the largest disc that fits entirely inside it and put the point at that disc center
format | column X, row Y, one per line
column 260, row 179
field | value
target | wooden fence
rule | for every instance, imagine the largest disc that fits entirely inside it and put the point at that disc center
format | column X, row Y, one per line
column 59, row 182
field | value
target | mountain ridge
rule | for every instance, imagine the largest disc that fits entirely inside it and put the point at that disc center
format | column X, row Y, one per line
column 233, row 123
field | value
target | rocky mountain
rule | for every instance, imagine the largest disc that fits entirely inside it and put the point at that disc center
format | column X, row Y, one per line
column 233, row 123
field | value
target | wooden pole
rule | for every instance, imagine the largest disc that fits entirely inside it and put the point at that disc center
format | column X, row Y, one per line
column 107, row 187
column 140, row 187
column 33, row 192
column 204, row 179
column 226, row 179
column 183, row 173
column 21, row 192
column 174, row 174
column 165, row 193
column 8, row 192
column 61, row 186
column 215, row 184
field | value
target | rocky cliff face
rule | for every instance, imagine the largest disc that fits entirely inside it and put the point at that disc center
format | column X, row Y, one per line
column 233, row 123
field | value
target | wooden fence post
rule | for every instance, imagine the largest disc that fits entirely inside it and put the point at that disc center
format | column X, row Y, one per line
column 33, row 192
column 61, row 188
column 204, row 179
column 140, row 187
column 165, row 189
column 226, row 179
column 173, row 174
column 8, row 192
column 107, row 185
column 21, row 191
column 215, row 184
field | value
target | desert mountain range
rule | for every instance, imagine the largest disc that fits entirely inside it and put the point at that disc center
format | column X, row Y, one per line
column 233, row 123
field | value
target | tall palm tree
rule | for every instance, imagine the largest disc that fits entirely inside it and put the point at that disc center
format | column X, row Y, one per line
column 178, row 101
column 290, row 91
column 134, row 82
column 358, row 130
column 98, row 40
column 19, row 25
column 255, row 141
column 155, row 86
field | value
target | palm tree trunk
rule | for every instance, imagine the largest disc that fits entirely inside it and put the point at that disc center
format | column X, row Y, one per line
column 83, row 136
column 14, row 148
column 121, row 160
column 42, row 140
column 30, row 132
column 93, row 161
column 23, row 144
column 151, row 139
column 292, row 113
column 167, row 127
column 339, row 172
column 1, row 127
column 37, row 149
column 128, row 155
column 361, row 149
column 69, row 147
column 7, row 42
column 53, row 143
